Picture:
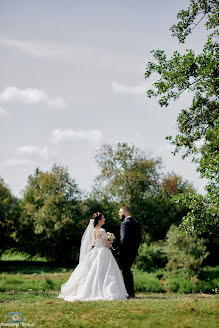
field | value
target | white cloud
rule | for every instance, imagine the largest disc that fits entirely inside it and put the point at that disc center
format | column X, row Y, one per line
column 137, row 88
column 14, row 162
column 41, row 49
column 34, row 151
column 36, row 49
column 119, row 88
column 58, row 102
column 59, row 135
column 3, row 112
column 13, row 94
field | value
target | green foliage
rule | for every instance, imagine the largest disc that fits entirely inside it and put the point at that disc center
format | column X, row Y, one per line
column 35, row 276
column 192, row 16
column 185, row 253
column 33, row 283
column 50, row 224
column 203, row 215
column 180, row 284
column 156, row 214
column 174, row 184
column 109, row 208
column 209, row 279
column 143, row 282
column 9, row 214
column 146, row 282
column 126, row 173
column 198, row 125
column 129, row 177
column 18, row 256
column 150, row 257
column 182, row 255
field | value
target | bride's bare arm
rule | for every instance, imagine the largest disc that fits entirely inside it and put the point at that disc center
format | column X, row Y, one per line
column 93, row 239
column 105, row 241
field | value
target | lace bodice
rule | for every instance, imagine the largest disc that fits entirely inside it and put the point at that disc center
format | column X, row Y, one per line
column 98, row 242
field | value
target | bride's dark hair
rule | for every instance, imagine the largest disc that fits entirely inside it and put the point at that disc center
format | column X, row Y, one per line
column 97, row 217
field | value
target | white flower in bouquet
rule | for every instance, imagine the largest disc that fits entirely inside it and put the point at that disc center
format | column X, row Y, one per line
column 110, row 238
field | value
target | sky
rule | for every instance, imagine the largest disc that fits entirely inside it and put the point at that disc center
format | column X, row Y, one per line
column 72, row 79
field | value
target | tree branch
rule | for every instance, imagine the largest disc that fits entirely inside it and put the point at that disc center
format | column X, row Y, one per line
column 198, row 22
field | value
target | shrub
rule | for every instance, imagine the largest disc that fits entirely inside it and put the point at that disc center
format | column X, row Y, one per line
column 207, row 281
column 151, row 257
column 184, row 253
column 210, row 279
column 146, row 282
column 180, row 284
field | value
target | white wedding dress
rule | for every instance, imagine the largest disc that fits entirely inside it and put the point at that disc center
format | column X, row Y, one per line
column 97, row 276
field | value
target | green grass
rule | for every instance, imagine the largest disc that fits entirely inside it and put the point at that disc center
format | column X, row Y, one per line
column 153, row 310
column 144, row 282
column 36, row 282
column 32, row 287
column 17, row 256
column 22, row 275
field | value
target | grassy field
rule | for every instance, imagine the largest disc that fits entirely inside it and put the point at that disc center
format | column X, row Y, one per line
column 153, row 310
column 32, row 287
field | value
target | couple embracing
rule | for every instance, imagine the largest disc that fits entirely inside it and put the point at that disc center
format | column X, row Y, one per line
column 97, row 276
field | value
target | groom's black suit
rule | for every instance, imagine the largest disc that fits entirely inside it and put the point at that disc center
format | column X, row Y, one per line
column 130, row 239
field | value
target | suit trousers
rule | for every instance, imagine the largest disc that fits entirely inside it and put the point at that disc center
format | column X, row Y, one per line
column 126, row 262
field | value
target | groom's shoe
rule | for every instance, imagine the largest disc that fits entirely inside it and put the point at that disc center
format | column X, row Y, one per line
column 131, row 297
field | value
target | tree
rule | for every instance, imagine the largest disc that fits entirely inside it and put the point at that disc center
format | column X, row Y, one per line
column 9, row 214
column 173, row 184
column 198, row 125
column 185, row 253
column 50, row 223
column 126, row 173
column 129, row 177
column 160, row 210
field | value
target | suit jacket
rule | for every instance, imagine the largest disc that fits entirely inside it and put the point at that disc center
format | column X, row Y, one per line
column 130, row 237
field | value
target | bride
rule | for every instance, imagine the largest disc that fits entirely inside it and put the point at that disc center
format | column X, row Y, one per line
column 97, row 276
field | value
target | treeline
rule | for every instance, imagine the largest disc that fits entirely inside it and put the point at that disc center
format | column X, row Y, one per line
column 50, row 218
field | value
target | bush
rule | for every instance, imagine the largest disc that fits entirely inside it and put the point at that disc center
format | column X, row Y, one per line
column 210, row 279
column 180, row 284
column 207, row 281
column 150, row 257
column 184, row 253
column 146, row 282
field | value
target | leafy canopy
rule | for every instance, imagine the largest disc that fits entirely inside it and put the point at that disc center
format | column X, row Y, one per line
column 126, row 173
column 9, row 215
column 51, row 214
column 198, row 125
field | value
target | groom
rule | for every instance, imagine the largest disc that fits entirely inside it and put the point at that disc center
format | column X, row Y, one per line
column 130, row 239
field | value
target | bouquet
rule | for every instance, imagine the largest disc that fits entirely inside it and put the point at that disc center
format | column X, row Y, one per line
column 110, row 238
